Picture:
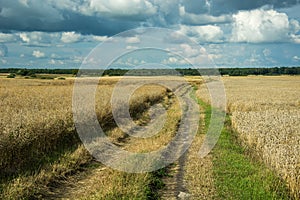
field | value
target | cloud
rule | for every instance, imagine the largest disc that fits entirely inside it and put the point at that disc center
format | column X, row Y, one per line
column 100, row 38
column 208, row 33
column 296, row 38
column 108, row 17
column 72, row 27
column 267, row 52
column 55, row 62
column 70, row 37
column 5, row 37
column 196, row 6
column 24, row 37
column 189, row 51
column 122, row 8
column 133, row 40
column 42, row 39
column 37, row 38
column 4, row 61
column 131, row 47
column 128, row 62
column 174, row 61
column 38, row 54
column 3, row 50
column 60, row 16
column 260, row 25
column 38, row 13
column 186, row 54
column 202, row 19
column 167, row 13
column 296, row 58
column 218, row 7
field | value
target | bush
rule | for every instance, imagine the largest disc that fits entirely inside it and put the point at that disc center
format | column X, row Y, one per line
column 47, row 77
column 11, row 76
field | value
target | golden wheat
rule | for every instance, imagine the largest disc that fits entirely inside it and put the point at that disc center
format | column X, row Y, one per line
column 36, row 120
column 36, row 116
column 265, row 112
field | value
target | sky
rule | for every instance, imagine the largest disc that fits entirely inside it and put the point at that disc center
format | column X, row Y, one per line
column 232, row 33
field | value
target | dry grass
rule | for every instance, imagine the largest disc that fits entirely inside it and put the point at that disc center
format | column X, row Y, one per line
column 35, row 117
column 163, row 136
column 199, row 171
column 265, row 112
column 106, row 183
column 40, row 184
column 36, row 120
column 199, row 174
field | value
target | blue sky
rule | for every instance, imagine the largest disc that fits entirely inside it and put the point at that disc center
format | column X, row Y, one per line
column 234, row 33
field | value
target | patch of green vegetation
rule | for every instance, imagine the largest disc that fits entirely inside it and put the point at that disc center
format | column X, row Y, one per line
column 12, row 75
column 47, row 77
column 33, row 76
column 206, row 110
column 237, row 176
column 155, row 183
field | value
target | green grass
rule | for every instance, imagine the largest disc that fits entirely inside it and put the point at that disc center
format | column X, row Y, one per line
column 236, row 174
column 206, row 110
column 155, row 184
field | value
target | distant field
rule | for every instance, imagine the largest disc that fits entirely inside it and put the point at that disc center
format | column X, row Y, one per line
column 39, row 76
column 3, row 75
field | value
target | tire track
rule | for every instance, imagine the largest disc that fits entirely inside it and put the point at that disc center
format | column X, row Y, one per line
column 81, row 185
column 175, row 185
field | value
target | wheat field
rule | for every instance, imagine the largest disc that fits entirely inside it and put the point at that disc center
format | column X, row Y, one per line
column 36, row 115
column 36, row 120
column 37, row 128
column 265, row 111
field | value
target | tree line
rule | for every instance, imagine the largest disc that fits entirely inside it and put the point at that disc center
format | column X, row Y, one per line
column 159, row 72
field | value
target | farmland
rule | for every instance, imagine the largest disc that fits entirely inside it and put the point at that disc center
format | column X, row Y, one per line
column 41, row 155
column 38, row 141
column 265, row 113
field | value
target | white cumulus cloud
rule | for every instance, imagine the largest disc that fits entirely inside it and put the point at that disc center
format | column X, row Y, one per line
column 100, row 38
column 38, row 54
column 260, row 25
column 296, row 58
column 6, row 37
column 133, row 40
column 208, row 33
column 24, row 37
column 70, row 37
